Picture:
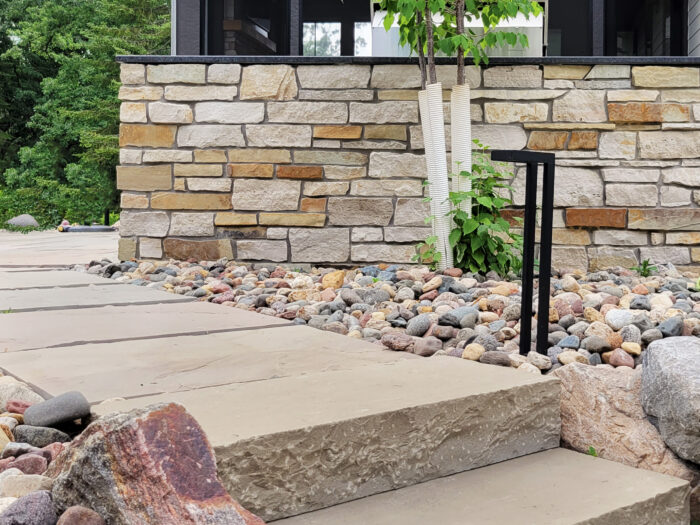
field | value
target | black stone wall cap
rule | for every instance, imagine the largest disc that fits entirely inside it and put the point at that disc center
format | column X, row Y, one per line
column 496, row 61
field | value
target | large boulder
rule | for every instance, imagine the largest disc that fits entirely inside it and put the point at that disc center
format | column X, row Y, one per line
column 671, row 392
column 148, row 466
column 601, row 408
column 23, row 221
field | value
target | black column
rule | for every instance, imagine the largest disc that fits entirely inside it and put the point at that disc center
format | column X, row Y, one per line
column 295, row 27
column 598, row 27
column 188, row 27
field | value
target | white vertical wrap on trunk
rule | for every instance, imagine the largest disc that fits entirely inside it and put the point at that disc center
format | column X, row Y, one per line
column 433, row 124
column 461, row 142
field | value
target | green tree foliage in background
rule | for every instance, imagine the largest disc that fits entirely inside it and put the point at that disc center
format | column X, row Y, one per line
column 59, row 110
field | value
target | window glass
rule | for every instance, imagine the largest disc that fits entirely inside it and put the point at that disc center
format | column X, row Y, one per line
column 322, row 39
column 363, row 39
column 569, row 28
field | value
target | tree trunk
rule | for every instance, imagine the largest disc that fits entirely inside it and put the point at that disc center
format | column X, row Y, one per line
column 421, row 53
column 432, row 75
column 460, row 51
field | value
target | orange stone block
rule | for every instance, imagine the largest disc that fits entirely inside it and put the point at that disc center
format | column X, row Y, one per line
column 337, row 132
column 146, row 135
column 300, row 172
column 314, row 205
column 635, row 112
column 596, row 217
column 251, row 171
column 547, row 140
column 583, row 140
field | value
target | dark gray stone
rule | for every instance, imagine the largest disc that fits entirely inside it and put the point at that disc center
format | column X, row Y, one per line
column 571, row 341
column 631, row 334
column 554, row 337
column 595, row 343
column 39, row 436
column 60, row 409
column 672, row 327
column 23, row 221
column 595, row 359
column 36, row 508
column 567, row 321
column 671, row 392
column 640, row 302
column 14, row 449
column 418, row 325
column 649, row 336
column 427, row 346
column 495, row 358
column 454, row 317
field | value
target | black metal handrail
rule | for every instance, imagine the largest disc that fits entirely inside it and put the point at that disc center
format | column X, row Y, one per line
column 533, row 160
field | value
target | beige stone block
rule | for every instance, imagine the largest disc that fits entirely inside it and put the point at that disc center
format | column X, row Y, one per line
column 568, row 126
column 683, row 238
column 179, row 184
column 211, row 250
column 411, row 212
column 235, row 219
column 210, row 155
column 126, row 249
column 132, row 74
column 506, row 113
column 665, row 254
column 686, row 176
column 513, row 77
column 326, row 144
column 266, row 195
column 566, row 72
column 130, row 156
column 146, row 223
column 664, row 219
column 674, row 196
column 261, row 250
column 198, row 170
column 367, row 235
column 150, row 248
column 133, row 200
column 337, row 132
column 559, row 84
column 192, row 224
column 497, row 136
column 205, row 184
column 333, row 77
column 570, row 237
column 165, row 113
column 154, row 136
column 339, row 158
column 620, row 237
column 132, row 112
column 631, row 195
column 336, row 94
column 190, row 201
column 224, row 73
column 144, row 178
column 389, row 253
column 176, row 73
column 618, row 145
column 608, row 257
column 209, row 136
column 386, row 131
column 384, row 112
column 273, row 156
column 268, row 82
column 308, row 112
column 569, row 258
column 396, row 165
column 657, row 238
column 401, row 76
column 230, row 112
column 633, row 175
column 374, row 144
column 345, row 172
column 278, row 135
column 516, row 94
column 360, row 211
column 200, row 93
column 140, row 93
column 680, row 95
column 602, row 84
column 665, row 76
column 695, row 254
column 387, row 188
column 166, row 155
column 669, row 144
column 633, row 95
column 251, row 171
column 318, row 189
column 315, row 220
column 328, row 245
column 608, row 71
column 575, row 187
column 406, row 234
column 580, row 106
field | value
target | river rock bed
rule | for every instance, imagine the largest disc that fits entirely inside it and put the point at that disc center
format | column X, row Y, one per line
column 605, row 317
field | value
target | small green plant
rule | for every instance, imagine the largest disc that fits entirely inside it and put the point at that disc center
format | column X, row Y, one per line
column 484, row 242
column 592, row 452
column 645, row 268
column 9, row 311
column 427, row 253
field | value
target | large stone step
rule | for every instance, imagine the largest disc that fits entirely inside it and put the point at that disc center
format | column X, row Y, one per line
column 312, row 435
column 556, row 487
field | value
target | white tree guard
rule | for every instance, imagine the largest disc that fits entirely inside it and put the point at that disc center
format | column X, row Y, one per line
column 461, row 142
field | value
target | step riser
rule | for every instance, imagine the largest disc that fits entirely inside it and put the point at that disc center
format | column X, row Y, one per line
column 289, row 473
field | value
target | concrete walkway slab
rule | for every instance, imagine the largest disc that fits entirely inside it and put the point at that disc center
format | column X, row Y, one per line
column 173, row 364
column 48, row 279
column 90, row 296
column 119, row 323
column 556, row 487
column 52, row 248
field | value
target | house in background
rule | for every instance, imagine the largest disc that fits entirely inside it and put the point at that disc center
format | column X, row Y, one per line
column 355, row 28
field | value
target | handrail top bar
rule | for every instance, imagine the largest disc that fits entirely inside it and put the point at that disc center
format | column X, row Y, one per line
column 524, row 156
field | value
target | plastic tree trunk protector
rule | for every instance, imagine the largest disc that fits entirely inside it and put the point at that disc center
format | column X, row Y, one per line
column 461, row 142
column 433, row 124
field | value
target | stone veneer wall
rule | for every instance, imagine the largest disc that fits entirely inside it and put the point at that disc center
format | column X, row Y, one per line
column 323, row 163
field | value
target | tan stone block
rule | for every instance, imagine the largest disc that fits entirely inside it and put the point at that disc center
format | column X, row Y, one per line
column 200, row 93
column 326, row 144
column 313, row 204
column 268, row 82
column 147, row 223
column 675, row 113
column 338, row 158
column 674, row 196
column 230, row 112
column 583, row 140
column 336, row 94
column 278, row 135
column 210, row 184
column 633, row 112
column 316, row 189
column 580, row 106
column 695, row 254
column 618, row 145
column 568, row 126
column 665, row 76
column 209, row 136
column 571, row 237
column 337, row 132
column 664, row 219
column 633, row 95
column 179, row 185
column 165, row 113
column 126, row 249
column 130, row 156
column 251, row 171
column 273, row 156
column 266, row 195
column 235, row 219
column 397, row 94
column 133, row 200
column 133, row 112
column 686, row 176
column 140, row 93
column 631, row 195
column 566, row 72
column 360, row 211
column 608, row 71
column 399, row 76
column 182, row 249
column 144, row 178
column 209, row 155
column 167, row 155
column 224, row 73
column 154, row 136
column 384, row 112
column 198, row 170
column 150, row 248
column 506, row 112
column 336, row 76
column 345, row 172
column 608, row 257
column 683, row 238
column 680, row 95
column 387, row 188
column 547, row 140
column 396, row 165
column 374, row 144
column 669, row 144
column 513, row 77
column 300, row 172
column 386, row 131
column 315, row 220
column 132, row 74
column 190, row 201
column 192, row 224
column 176, row 73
